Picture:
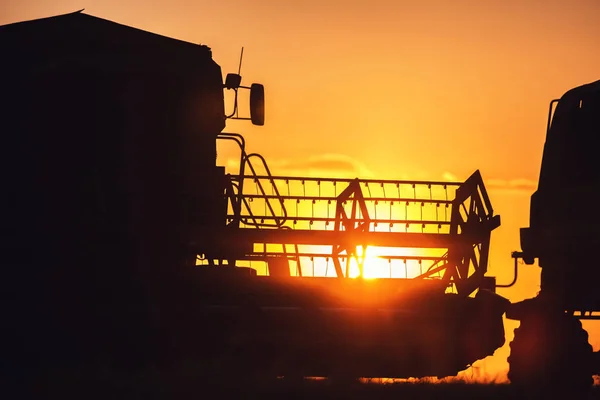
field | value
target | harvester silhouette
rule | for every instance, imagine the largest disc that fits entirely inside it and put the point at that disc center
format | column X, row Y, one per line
column 125, row 243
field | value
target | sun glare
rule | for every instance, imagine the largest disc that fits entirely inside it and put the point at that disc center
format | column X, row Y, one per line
column 373, row 265
column 380, row 262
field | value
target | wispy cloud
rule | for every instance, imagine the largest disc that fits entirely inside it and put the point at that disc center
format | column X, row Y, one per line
column 449, row 176
column 512, row 184
column 342, row 166
column 518, row 184
column 334, row 165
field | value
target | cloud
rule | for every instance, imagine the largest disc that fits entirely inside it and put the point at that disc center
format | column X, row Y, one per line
column 328, row 163
column 334, row 165
column 342, row 166
column 511, row 184
column 449, row 176
column 514, row 184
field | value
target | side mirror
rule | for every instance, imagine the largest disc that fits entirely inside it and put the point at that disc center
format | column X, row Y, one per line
column 233, row 81
column 257, row 104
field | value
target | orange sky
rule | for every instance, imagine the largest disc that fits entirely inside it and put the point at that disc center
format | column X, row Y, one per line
column 394, row 89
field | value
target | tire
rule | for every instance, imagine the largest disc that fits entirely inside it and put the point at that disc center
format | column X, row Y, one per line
column 551, row 351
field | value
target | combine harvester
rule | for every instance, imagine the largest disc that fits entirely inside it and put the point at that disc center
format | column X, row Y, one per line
column 312, row 312
column 126, row 244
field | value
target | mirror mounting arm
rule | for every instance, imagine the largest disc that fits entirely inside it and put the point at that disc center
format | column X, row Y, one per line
column 257, row 99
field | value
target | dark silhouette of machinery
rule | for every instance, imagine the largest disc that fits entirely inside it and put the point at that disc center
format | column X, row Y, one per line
column 125, row 243
column 550, row 345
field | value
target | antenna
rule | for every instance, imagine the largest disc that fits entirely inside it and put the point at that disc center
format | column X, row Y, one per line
column 239, row 74
column 241, row 57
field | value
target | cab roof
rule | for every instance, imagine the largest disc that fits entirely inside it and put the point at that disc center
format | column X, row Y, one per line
column 78, row 34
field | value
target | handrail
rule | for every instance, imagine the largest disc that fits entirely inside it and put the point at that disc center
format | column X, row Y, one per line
column 334, row 198
column 278, row 222
column 362, row 181
column 245, row 159
column 550, row 115
column 332, row 219
column 393, row 204
column 516, row 255
column 239, row 139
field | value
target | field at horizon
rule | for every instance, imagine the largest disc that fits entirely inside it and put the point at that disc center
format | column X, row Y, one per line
column 187, row 384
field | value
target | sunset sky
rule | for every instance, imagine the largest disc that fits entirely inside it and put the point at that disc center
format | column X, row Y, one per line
column 430, row 89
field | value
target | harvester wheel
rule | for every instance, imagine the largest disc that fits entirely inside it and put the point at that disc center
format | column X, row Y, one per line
column 551, row 351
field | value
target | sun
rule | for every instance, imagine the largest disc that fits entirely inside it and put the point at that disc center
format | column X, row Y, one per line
column 381, row 262
column 374, row 265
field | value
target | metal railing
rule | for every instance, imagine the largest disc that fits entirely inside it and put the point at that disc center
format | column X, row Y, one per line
column 444, row 225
